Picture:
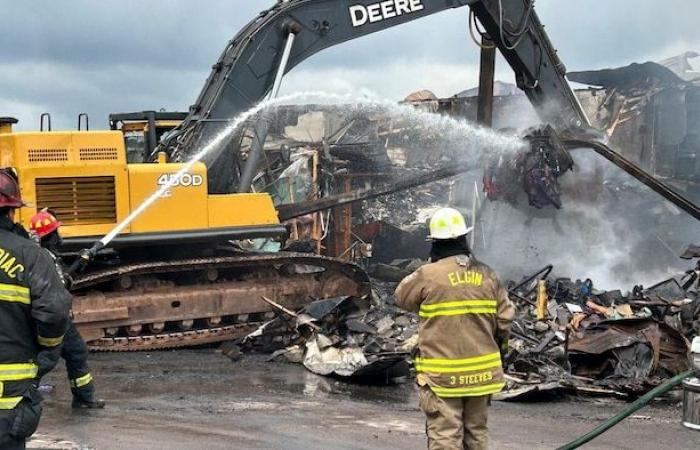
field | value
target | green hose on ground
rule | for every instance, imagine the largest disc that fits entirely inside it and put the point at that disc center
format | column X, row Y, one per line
column 637, row 404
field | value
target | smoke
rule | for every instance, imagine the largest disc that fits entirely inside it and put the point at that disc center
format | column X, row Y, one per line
column 612, row 229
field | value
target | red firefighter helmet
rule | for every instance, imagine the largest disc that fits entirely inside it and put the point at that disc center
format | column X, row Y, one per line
column 9, row 190
column 43, row 223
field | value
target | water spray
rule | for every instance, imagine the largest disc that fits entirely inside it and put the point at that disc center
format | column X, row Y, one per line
column 447, row 127
column 87, row 255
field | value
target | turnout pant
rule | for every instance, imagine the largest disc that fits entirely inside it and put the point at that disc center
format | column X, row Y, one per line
column 20, row 422
column 8, row 441
column 75, row 352
column 455, row 423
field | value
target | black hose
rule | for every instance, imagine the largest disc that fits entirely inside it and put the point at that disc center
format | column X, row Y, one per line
column 517, row 34
column 639, row 403
column 84, row 258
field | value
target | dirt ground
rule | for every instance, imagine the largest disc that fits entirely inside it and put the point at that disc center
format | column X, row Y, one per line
column 196, row 399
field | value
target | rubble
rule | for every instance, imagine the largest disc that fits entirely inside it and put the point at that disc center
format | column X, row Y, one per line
column 598, row 342
column 625, row 351
column 586, row 341
column 231, row 350
column 579, row 339
column 346, row 337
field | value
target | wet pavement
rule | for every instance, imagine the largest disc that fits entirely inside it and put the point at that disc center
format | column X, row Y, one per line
column 191, row 399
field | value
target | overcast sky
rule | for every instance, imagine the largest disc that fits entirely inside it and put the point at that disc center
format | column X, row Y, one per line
column 67, row 57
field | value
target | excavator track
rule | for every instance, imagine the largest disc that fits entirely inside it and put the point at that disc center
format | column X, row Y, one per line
column 187, row 302
column 171, row 340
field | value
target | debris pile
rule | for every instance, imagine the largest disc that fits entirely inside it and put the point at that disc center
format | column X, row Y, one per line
column 342, row 336
column 568, row 336
column 407, row 207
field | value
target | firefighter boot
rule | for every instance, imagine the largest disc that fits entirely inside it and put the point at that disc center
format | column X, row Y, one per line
column 84, row 398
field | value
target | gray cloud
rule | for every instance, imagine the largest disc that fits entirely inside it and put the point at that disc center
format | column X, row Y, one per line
column 68, row 57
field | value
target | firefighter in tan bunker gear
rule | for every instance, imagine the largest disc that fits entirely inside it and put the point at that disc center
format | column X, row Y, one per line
column 465, row 319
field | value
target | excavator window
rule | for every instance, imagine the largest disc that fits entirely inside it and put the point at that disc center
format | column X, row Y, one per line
column 143, row 130
column 135, row 142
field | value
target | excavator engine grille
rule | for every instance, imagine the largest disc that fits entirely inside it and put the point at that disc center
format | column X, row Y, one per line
column 78, row 200
column 99, row 154
column 47, row 154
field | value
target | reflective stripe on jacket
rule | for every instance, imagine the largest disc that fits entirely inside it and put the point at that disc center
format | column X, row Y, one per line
column 465, row 314
column 33, row 312
column 14, row 377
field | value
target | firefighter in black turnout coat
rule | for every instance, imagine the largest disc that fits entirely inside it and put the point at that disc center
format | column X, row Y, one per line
column 34, row 309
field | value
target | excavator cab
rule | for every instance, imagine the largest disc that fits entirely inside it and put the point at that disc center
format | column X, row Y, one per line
column 142, row 131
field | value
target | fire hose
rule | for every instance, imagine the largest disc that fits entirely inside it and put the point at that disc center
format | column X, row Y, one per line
column 629, row 410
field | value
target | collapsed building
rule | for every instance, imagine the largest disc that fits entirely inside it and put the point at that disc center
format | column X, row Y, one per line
column 608, row 334
column 648, row 113
column 318, row 150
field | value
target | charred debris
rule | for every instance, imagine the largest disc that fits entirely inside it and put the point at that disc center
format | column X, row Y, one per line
column 568, row 335
column 314, row 152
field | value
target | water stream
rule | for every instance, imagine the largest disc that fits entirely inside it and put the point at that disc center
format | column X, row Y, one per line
column 462, row 140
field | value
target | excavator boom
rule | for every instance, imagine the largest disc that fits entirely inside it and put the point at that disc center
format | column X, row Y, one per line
column 247, row 69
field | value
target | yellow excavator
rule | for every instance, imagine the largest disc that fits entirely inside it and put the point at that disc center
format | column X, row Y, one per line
column 173, row 277
column 178, row 274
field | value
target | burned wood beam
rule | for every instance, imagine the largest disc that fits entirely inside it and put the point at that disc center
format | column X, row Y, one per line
column 291, row 210
column 487, row 69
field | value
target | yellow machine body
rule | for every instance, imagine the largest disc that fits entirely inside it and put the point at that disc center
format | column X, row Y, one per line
column 84, row 177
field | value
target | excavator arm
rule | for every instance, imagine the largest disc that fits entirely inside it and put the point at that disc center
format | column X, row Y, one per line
column 248, row 68
column 281, row 37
